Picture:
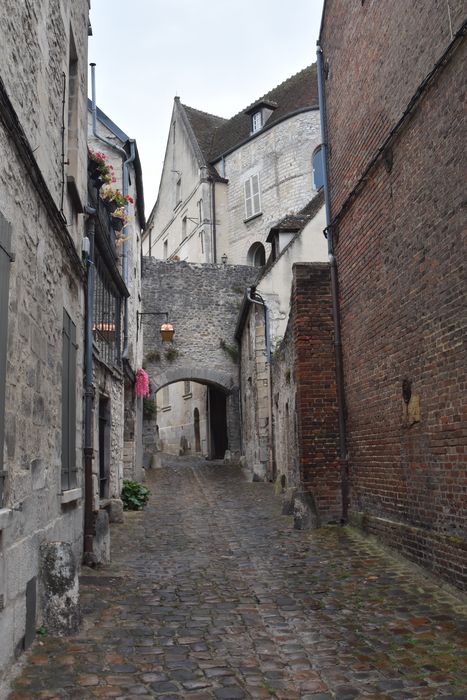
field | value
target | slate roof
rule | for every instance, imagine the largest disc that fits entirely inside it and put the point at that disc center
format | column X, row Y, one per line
column 217, row 136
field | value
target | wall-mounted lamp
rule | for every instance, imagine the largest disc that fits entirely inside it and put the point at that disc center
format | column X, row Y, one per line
column 224, row 259
column 166, row 330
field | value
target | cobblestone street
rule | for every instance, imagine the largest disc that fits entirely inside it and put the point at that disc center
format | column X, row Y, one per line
column 212, row 594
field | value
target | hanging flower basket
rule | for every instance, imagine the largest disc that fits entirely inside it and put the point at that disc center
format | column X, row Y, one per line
column 99, row 170
column 142, row 383
column 116, row 223
column 110, row 205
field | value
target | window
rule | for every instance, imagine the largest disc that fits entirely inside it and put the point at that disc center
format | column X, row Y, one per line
column 104, row 446
column 69, row 348
column 318, row 169
column 200, row 211
column 252, row 198
column 106, row 325
column 6, row 258
column 256, row 256
column 256, row 122
column 187, row 389
column 183, row 228
column 166, row 249
column 72, row 149
column 178, row 191
column 201, row 240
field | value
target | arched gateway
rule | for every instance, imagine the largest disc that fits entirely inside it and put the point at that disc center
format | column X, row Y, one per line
column 202, row 303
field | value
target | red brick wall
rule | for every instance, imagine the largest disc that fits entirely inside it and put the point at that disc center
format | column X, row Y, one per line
column 315, row 379
column 402, row 273
column 378, row 53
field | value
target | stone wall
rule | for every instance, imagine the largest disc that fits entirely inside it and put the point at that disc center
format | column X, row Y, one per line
column 203, row 303
column 46, row 277
column 282, row 157
column 402, row 273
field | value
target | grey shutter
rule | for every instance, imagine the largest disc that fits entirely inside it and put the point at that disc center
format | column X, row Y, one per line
column 72, row 407
column 5, row 260
column 65, row 401
column 69, row 349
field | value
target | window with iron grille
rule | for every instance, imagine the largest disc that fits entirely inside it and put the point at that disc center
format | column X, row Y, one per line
column 106, row 324
column 5, row 261
column 69, row 348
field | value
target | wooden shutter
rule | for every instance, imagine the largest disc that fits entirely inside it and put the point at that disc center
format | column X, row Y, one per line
column 248, row 207
column 5, row 260
column 255, row 194
column 69, row 348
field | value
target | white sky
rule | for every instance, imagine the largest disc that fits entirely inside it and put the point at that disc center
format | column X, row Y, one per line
column 217, row 55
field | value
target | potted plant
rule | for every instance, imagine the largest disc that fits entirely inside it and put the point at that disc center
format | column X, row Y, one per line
column 100, row 171
column 118, row 218
column 114, row 199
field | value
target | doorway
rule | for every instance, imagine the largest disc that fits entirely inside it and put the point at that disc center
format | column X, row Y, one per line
column 197, row 430
column 217, row 423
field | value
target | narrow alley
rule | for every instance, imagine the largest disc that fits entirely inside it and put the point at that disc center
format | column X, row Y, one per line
column 212, row 594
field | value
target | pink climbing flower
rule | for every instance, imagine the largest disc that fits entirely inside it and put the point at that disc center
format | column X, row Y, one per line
column 142, row 383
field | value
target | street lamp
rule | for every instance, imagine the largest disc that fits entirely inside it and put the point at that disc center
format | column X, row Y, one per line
column 166, row 330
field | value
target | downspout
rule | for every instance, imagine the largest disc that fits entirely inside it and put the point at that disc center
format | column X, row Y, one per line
column 213, row 219
column 255, row 298
column 334, row 295
column 89, row 395
column 125, row 180
column 126, row 166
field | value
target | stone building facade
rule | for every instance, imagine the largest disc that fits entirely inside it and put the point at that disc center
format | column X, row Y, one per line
column 42, row 198
column 396, row 192
column 260, row 339
column 126, row 457
column 225, row 183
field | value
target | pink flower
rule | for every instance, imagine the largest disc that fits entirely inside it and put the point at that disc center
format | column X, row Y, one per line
column 142, row 383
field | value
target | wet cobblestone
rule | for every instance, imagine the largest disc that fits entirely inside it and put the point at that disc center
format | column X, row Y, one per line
column 212, row 594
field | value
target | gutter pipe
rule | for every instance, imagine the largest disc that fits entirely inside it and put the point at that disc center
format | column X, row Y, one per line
column 89, row 393
column 255, row 298
column 125, row 180
column 214, row 227
column 334, row 295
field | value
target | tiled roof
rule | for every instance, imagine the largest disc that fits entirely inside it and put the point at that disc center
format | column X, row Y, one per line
column 216, row 135
column 297, row 222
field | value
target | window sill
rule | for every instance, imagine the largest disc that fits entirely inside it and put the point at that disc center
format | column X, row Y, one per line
column 71, row 495
column 166, row 408
column 187, row 396
column 251, row 218
column 5, row 515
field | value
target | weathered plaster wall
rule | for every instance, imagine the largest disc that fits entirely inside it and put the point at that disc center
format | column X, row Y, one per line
column 176, row 421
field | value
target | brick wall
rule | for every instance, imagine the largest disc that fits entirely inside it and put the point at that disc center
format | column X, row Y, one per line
column 316, row 406
column 402, row 279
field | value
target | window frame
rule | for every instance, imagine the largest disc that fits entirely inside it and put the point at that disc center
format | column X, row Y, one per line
column 256, row 121
column 318, row 151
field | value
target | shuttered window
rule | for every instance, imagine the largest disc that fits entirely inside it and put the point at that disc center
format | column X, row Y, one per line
column 252, row 198
column 5, row 261
column 69, row 349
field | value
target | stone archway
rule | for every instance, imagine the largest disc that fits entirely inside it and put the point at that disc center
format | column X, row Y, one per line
column 203, row 303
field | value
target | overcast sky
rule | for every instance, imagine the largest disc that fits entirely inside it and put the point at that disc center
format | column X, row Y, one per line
column 217, row 55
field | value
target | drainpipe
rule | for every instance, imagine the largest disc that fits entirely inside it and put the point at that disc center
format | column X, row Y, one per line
column 126, row 166
column 89, row 394
column 334, row 295
column 125, row 179
column 255, row 298
column 213, row 219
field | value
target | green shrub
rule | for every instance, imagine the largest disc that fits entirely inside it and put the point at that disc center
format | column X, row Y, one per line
column 149, row 408
column 134, row 495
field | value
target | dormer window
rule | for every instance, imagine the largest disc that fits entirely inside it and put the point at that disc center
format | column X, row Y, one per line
column 259, row 113
column 256, row 121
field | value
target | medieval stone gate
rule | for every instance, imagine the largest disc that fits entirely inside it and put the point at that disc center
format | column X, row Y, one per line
column 202, row 302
